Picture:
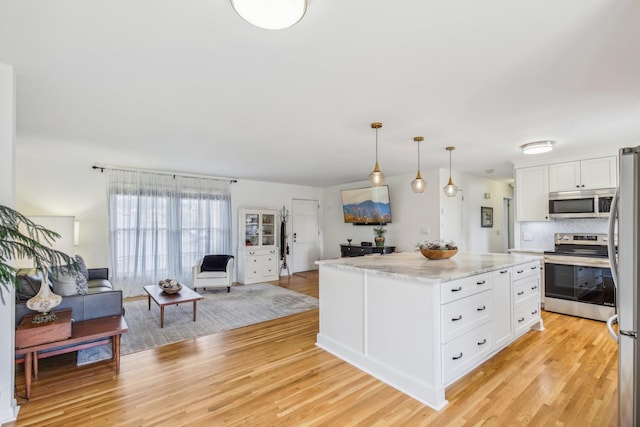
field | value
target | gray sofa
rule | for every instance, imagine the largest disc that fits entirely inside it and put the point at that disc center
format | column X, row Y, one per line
column 101, row 299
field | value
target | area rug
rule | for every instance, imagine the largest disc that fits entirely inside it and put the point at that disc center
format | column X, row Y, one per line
column 219, row 311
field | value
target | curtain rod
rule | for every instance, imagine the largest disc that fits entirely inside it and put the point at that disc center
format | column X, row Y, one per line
column 174, row 174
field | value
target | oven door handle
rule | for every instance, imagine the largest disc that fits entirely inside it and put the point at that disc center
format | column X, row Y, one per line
column 582, row 262
column 610, row 321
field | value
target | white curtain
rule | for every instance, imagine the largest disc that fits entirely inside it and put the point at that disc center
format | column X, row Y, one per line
column 159, row 225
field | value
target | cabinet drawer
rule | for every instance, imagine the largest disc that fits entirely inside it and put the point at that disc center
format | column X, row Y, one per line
column 461, row 288
column 526, row 314
column 465, row 314
column 525, row 270
column 465, row 352
column 525, row 288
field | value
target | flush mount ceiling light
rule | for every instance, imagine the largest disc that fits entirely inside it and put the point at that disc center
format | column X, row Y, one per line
column 450, row 190
column 537, row 147
column 376, row 177
column 418, row 185
column 270, row 14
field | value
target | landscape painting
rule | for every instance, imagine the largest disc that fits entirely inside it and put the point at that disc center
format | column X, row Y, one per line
column 366, row 205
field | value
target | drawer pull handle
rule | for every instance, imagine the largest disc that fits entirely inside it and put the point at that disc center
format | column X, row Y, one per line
column 521, row 320
column 504, row 271
column 455, row 319
column 484, row 307
column 520, row 271
column 534, row 312
column 459, row 288
column 520, row 293
column 484, row 341
column 534, row 267
column 482, row 282
column 457, row 357
column 533, row 288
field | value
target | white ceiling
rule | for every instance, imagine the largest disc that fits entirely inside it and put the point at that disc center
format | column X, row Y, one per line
column 189, row 86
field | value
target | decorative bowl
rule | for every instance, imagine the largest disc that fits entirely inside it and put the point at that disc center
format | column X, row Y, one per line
column 437, row 253
column 170, row 286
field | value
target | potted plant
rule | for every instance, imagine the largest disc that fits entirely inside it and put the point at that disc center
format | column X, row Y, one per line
column 22, row 238
column 379, row 232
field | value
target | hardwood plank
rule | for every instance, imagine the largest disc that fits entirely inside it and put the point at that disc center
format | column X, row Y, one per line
column 273, row 374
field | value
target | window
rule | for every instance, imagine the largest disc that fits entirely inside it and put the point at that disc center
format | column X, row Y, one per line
column 160, row 225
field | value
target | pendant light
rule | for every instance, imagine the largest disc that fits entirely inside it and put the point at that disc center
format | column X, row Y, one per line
column 418, row 185
column 376, row 177
column 450, row 190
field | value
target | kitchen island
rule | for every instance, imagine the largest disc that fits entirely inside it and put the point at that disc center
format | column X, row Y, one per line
column 418, row 324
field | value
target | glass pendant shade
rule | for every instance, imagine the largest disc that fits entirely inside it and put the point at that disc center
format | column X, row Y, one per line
column 270, row 14
column 450, row 190
column 418, row 185
column 376, row 178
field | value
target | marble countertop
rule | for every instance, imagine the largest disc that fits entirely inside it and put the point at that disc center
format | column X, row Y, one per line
column 414, row 266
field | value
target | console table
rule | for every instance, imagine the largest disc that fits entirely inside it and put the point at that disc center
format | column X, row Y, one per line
column 353, row 250
column 34, row 339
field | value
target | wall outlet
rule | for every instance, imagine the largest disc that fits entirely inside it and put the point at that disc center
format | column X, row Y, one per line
column 527, row 237
column 424, row 231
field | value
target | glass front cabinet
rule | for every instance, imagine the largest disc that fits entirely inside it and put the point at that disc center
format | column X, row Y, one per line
column 258, row 257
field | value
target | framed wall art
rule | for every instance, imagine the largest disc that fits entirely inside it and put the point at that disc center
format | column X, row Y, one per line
column 486, row 216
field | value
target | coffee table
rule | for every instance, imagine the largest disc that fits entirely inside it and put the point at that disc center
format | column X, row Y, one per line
column 164, row 299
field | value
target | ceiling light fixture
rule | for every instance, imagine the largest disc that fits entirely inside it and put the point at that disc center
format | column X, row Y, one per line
column 450, row 190
column 376, row 177
column 537, row 147
column 418, row 185
column 271, row 14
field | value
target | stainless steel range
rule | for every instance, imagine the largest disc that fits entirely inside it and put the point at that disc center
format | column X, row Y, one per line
column 578, row 277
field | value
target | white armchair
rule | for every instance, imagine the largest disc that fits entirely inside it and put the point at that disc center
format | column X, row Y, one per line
column 213, row 271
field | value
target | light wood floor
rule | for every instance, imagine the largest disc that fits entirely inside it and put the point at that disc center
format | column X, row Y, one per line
column 272, row 374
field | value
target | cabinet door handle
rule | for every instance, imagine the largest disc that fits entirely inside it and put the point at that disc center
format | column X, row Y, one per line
column 534, row 267
column 484, row 341
column 455, row 319
column 459, row 288
column 457, row 357
column 534, row 312
column 504, row 271
column 484, row 307
column 520, row 293
column 521, row 320
column 520, row 271
column 482, row 282
column 533, row 288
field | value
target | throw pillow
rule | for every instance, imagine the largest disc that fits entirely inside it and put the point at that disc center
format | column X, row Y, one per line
column 64, row 283
column 82, row 266
column 82, row 285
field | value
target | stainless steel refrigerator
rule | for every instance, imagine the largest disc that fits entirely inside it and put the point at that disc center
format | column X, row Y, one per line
column 624, row 268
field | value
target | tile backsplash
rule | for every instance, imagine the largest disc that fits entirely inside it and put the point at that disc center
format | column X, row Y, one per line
column 539, row 235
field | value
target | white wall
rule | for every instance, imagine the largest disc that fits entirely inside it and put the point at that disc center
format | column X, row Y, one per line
column 54, row 183
column 8, row 406
column 425, row 216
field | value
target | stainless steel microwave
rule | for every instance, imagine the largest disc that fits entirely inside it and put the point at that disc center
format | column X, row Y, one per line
column 581, row 204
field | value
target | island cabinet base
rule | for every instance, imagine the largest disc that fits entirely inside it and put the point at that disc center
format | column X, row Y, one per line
column 418, row 336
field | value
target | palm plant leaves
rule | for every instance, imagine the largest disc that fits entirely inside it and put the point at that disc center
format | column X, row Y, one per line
column 22, row 238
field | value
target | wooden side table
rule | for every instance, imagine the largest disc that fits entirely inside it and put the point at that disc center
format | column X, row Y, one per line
column 35, row 339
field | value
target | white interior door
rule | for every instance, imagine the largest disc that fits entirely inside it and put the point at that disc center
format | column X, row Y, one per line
column 304, row 235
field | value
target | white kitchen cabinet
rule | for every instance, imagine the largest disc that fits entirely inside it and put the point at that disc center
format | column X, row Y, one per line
column 526, row 297
column 532, row 193
column 258, row 256
column 587, row 174
column 365, row 313
column 502, row 308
